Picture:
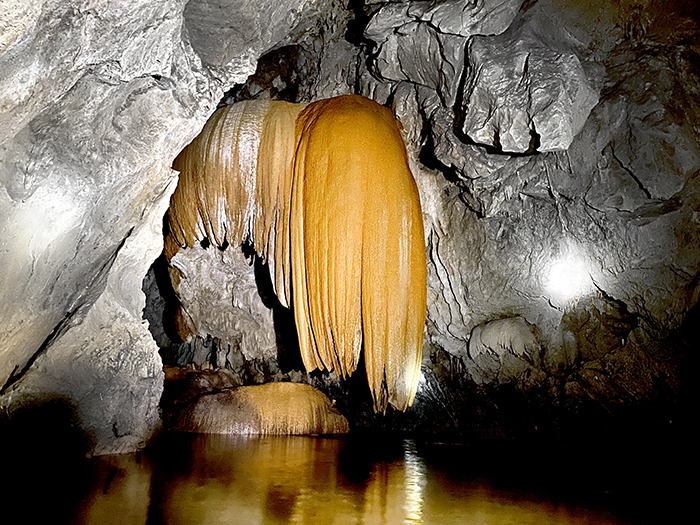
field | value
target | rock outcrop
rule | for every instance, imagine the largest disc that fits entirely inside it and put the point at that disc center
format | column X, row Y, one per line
column 584, row 232
column 218, row 292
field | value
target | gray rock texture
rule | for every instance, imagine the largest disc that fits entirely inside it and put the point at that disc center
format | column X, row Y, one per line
column 443, row 31
column 96, row 99
column 526, row 89
column 584, row 232
column 219, row 295
column 108, row 365
column 555, row 146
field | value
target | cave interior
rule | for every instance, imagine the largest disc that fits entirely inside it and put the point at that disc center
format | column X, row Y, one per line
column 554, row 149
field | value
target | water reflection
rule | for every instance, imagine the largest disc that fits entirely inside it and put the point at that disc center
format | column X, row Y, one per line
column 308, row 480
column 414, row 476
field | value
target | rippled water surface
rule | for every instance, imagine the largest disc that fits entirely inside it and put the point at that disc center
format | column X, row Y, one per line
column 197, row 479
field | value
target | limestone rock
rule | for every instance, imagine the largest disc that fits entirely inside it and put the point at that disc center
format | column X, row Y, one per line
column 506, row 350
column 501, row 336
column 454, row 264
column 96, row 100
column 219, row 293
column 439, row 69
column 273, row 408
column 318, row 59
column 454, row 17
column 525, row 90
column 107, row 367
column 68, row 169
column 442, row 30
column 596, row 221
column 599, row 326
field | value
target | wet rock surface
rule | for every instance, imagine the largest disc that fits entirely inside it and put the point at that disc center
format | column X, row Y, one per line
column 555, row 147
column 280, row 408
column 96, row 100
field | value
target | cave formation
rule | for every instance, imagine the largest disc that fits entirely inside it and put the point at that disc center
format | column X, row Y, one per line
column 269, row 409
column 554, row 148
column 302, row 184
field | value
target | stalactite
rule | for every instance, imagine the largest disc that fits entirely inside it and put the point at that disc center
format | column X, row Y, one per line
column 357, row 233
column 325, row 195
column 274, row 193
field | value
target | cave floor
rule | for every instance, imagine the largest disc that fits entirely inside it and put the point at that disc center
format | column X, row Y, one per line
column 360, row 478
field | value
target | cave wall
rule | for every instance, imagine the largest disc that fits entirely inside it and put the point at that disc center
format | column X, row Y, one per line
column 539, row 132
column 570, row 143
column 556, row 152
column 97, row 98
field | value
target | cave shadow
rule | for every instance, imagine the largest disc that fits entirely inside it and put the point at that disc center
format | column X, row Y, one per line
column 287, row 341
column 45, row 469
column 167, row 292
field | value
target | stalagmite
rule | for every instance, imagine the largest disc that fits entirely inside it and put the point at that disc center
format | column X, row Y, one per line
column 272, row 409
column 325, row 195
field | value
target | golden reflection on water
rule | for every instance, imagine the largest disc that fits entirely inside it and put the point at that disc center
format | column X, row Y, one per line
column 303, row 480
column 414, row 476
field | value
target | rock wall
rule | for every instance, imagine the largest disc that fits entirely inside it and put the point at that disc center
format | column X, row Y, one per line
column 560, row 203
column 96, row 100
column 556, row 150
column 218, row 291
column 555, row 147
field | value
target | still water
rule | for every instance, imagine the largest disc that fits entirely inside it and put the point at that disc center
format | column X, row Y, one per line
column 199, row 479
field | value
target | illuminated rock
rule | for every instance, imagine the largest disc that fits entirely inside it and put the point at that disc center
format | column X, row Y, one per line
column 595, row 206
column 526, row 90
column 273, row 408
column 512, row 334
column 96, row 100
column 506, row 350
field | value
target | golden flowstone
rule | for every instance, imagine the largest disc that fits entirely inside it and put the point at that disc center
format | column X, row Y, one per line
column 270, row 409
column 324, row 193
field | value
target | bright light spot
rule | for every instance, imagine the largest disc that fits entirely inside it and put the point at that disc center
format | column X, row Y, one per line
column 49, row 214
column 569, row 277
column 414, row 479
